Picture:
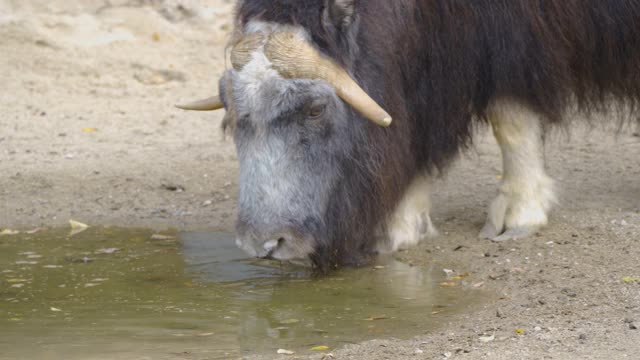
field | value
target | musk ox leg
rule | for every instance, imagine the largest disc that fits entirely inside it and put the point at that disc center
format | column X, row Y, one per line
column 410, row 222
column 527, row 193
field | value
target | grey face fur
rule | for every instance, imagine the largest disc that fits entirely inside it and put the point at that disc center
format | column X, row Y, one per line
column 290, row 137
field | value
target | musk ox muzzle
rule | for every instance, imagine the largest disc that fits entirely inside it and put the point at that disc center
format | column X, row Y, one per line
column 283, row 244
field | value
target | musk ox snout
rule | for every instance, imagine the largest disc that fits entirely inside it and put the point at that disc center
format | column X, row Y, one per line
column 284, row 244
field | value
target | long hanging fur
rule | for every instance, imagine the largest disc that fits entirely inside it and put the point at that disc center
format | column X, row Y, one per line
column 437, row 65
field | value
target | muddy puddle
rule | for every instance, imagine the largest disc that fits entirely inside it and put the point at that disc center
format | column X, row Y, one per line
column 111, row 293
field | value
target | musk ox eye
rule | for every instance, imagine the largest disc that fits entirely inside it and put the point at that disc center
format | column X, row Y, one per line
column 316, row 109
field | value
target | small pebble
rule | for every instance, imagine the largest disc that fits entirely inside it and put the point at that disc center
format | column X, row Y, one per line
column 582, row 337
column 486, row 339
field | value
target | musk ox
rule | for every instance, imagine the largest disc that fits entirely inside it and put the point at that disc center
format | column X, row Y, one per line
column 343, row 110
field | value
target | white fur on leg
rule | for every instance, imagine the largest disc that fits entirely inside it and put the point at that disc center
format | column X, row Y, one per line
column 527, row 193
column 411, row 221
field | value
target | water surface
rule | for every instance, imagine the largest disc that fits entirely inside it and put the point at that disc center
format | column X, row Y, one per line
column 112, row 293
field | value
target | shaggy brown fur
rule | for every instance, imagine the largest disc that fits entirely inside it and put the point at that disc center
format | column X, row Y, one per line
column 437, row 65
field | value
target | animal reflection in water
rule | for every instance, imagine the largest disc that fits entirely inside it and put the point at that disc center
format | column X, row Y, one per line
column 291, row 304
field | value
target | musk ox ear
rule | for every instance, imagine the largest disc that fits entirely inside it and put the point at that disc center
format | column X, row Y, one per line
column 340, row 12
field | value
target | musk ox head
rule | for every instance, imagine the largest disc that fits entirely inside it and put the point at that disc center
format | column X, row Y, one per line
column 310, row 182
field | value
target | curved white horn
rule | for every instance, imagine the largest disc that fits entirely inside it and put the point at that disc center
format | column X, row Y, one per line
column 294, row 57
column 208, row 104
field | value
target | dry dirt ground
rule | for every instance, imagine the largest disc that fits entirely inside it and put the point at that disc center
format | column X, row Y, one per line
column 88, row 131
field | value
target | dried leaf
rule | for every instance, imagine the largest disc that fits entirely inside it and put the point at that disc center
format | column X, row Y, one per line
column 9, row 232
column 89, row 130
column 449, row 284
column 461, row 276
column 161, row 237
column 12, row 281
column 629, row 279
column 107, row 251
column 521, row 331
column 285, row 352
column 55, row 309
column 76, row 225
column 320, row 348
column 289, row 321
column 377, row 317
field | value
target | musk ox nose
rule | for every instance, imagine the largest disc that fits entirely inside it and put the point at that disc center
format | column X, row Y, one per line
column 272, row 245
column 280, row 245
column 261, row 246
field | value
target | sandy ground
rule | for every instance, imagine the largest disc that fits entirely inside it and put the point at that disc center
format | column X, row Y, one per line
column 88, row 132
